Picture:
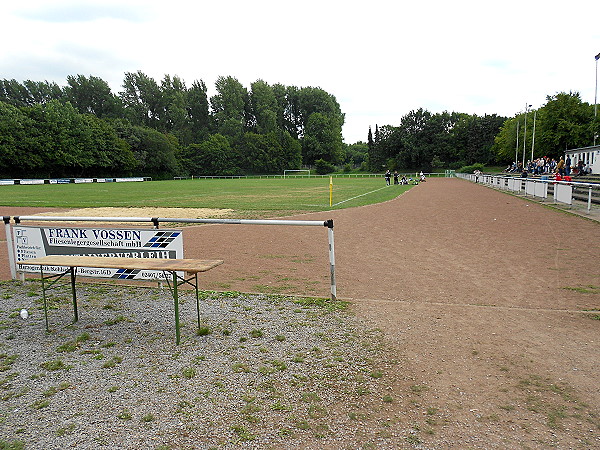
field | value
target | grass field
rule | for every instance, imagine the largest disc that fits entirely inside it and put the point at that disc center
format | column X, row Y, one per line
column 253, row 195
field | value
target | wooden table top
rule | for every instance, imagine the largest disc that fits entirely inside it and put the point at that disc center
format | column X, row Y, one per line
column 185, row 265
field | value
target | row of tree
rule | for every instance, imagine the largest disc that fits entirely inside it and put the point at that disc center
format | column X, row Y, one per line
column 428, row 141
column 564, row 122
column 167, row 129
column 164, row 129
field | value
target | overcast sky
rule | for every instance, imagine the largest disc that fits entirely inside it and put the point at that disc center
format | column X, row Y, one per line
column 380, row 59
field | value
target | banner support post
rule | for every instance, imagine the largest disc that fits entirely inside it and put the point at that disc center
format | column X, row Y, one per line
column 329, row 225
column 11, row 249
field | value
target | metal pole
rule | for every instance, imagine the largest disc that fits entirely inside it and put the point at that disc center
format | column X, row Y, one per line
column 73, row 274
column 517, row 147
column 533, row 139
column 525, row 134
column 176, row 302
column 44, row 296
column 590, row 199
column 10, row 248
column 332, row 260
column 197, row 299
column 597, row 57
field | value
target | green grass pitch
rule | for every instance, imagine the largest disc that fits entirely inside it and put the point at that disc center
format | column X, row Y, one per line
column 243, row 194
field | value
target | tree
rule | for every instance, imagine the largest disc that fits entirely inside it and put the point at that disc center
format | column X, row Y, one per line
column 156, row 153
column 288, row 109
column 229, row 107
column 85, row 129
column 92, row 96
column 505, row 142
column 211, row 157
column 322, row 139
column 419, row 140
column 269, row 153
column 322, row 121
column 264, row 108
column 110, row 154
column 29, row 93
column 564, row 122
column 197, row 109
column 67, row 137
column 17, row 157
column 174, row 118
column 142, row 100
column 356, row 154
column 473, row 137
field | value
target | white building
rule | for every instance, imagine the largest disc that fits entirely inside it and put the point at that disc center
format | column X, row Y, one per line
column 589, row 155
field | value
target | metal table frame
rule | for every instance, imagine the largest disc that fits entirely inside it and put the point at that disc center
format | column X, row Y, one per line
column 172, row 278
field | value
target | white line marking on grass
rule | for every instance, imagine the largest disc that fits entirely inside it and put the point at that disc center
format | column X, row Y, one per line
column 361, row 195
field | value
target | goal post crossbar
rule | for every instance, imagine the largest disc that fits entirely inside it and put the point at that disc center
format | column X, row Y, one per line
column 287, row 171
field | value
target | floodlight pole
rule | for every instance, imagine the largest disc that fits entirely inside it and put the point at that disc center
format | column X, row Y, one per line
column 597, row 57
column 525, row 133
column 517, row 147
column 533, row 138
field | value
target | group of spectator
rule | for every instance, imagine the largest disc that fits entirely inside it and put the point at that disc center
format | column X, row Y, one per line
column 545, row 165
column 397, row 180
column 566, row 168
column 539, row 166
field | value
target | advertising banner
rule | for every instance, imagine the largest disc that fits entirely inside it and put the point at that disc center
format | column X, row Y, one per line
column 563, row 193
column 33, row 242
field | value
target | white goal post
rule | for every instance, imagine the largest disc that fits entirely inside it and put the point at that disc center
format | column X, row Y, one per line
column 295, row 171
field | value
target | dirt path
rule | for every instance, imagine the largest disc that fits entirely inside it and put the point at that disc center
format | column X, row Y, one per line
column 481, row 296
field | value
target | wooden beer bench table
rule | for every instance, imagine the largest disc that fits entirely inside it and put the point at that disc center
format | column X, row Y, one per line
column 168, row 266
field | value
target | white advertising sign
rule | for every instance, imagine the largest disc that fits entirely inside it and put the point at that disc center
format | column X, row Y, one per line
column 33, row 242
column 563, row 193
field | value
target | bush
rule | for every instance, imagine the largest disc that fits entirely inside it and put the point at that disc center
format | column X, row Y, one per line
column 472, row 168
column 323, row 167
column 456, row 165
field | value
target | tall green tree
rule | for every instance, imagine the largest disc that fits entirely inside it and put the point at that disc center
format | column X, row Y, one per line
column 473, row 137
column 565, row 122
column 18, row 155
column 198, row 111
column 92, row 96
column 289, row 117
column 29, row 92
column 142, row 100
column 264, row 108
column 174, row 118
column 156, row 153
column 229, row 106
column 322, row 121
column 110, row 154
column 214, row 156
column 322, row 139
column 356, row 153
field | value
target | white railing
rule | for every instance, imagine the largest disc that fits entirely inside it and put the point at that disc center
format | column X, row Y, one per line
column 562, row 191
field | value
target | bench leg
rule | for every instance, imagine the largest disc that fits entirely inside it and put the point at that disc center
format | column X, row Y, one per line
column 176, row 302
column 44, row 297
column 75, row 313
column 197, row 299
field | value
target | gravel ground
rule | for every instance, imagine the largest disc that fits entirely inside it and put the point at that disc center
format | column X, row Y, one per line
column 271, row 372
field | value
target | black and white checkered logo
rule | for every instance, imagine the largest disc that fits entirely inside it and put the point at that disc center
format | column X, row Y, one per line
column 162, row 239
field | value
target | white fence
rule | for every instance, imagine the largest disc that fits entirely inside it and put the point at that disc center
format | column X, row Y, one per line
column 447, row 174
column 564, row 192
